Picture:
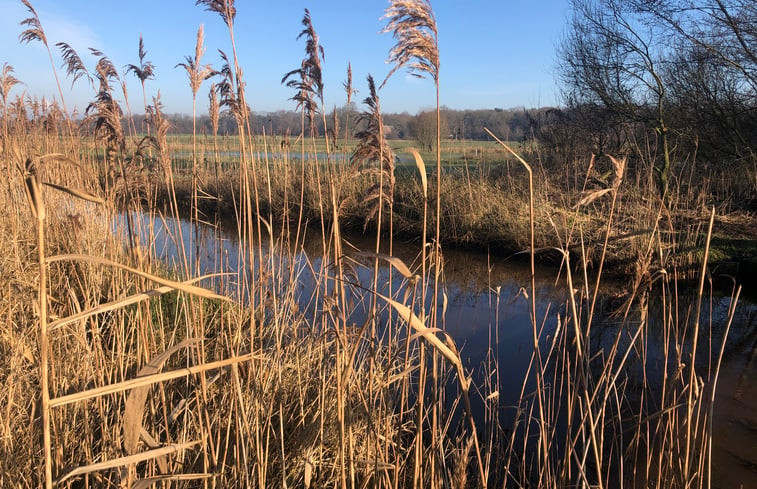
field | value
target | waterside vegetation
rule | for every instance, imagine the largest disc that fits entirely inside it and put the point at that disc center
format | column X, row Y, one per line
column 120, row 371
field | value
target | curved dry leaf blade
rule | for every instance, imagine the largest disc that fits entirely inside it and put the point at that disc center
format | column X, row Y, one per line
column 76, row 193
column 398, row 264
column 510, row 150
column 619, row 164
column 131, row 424
column 421, row 169
column 423, row 330
column 401, row 375
column 131, row 459
column 148, row 380
column 120, row 303
column 152, row 443
column 592, row 196
column 189, row 289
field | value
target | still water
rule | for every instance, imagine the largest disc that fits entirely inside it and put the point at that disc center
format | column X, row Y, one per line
column 487, row 314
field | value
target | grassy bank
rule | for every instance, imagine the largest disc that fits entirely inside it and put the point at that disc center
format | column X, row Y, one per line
column 484, row 206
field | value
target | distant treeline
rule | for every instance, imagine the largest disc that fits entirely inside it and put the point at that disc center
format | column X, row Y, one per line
column 513, row 124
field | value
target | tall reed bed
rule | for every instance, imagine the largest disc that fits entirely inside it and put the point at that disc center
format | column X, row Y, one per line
column 123, row 370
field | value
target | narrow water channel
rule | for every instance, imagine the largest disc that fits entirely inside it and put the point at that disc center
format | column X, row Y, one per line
column 486, row 311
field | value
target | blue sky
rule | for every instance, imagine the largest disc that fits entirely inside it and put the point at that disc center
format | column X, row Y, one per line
column 493, row 53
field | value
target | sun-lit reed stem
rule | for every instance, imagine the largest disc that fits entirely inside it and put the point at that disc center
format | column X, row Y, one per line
column 214, row 113
column 534, row 325
column 196, row 73
column 413, row 26
column 694, row 344
column 37, row 206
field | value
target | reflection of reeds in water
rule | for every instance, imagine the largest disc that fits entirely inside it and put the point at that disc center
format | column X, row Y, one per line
column 171, row 382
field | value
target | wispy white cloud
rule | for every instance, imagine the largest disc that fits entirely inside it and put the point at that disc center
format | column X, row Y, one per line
column 58, row 27
column 76, row 34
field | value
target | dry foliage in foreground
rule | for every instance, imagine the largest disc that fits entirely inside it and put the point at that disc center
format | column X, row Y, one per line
column 120, row 370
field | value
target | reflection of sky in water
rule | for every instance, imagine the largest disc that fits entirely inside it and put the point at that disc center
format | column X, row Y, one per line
column 471, row 281
column 479, row 290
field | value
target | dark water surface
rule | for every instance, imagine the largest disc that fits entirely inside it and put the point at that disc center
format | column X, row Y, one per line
column 487, row 314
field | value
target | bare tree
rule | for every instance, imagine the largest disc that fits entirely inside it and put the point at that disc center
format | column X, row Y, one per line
column 613, row 56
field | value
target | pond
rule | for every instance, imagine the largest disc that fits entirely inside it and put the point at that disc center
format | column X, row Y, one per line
column 487, row 313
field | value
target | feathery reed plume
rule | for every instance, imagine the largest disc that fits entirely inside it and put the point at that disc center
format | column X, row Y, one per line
column 160, row 125
column 196, row 72
column 7, row 82
column 315, row 54
column 310, row 83
column 145, row 70
column 105, row 110
column 413, row 25
column 350, row 92
column 373, row 148
column 35, row 32
column 304, row 94
column 213, row 108
column 334, row 131
column 225, row 8
column 230, row 92
column 214, row 113
column 348, row 85
column 73, row 64
column 107, row 114
column 105, row 68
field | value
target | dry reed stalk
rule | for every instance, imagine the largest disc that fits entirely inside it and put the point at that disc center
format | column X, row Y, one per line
column 714, row 383
column 149, row 380
column 38, row 209
column 121, row 303
column 31, row 173
column 196, row 73
column 151, row 481
column 694, row 343
column 413, row 26
column 532, row 253
column 131, row 459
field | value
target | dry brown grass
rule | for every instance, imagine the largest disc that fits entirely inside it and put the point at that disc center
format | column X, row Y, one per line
column 120, row 371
